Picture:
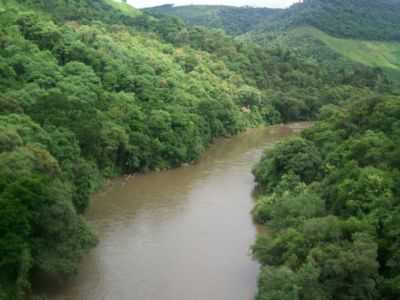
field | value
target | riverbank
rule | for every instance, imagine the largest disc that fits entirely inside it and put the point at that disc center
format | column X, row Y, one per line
column 331, row 200
column 161, row 234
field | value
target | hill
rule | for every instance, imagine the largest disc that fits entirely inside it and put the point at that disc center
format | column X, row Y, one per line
column 331, row 32
column 371, row 53
column 337, row 52
column 361, row 19
column 124, row 7
column 233, row 20
column 376, row 54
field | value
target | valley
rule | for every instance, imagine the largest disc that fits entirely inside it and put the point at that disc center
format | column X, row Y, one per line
column 96, row 90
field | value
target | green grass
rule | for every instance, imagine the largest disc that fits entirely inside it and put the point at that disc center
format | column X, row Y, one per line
column 385, row 55
column 124, row 7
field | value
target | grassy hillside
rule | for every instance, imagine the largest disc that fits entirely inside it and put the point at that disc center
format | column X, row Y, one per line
column 372, row 53
column 335, row 52
column 385, row 55
column 124, row 7
column 361, row 19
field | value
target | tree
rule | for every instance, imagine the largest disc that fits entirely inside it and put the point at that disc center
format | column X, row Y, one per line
column 298, row 156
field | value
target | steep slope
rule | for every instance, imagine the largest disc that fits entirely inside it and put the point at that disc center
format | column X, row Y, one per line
column 337, row 52
column 124, row 7
column 376, row 54
column 363, row 19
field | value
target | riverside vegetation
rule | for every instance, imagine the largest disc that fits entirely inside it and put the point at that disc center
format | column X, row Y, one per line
column 331, row 199
column 91, row 89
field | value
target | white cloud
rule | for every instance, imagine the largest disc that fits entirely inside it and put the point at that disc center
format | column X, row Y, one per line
column 259, row 3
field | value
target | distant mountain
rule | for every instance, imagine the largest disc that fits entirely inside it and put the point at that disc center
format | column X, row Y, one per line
column 233, row 20
column 332, row 32
column 362, row 19
column 337, row 52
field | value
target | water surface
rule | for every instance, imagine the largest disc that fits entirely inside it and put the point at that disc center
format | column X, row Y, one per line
column 182, row 234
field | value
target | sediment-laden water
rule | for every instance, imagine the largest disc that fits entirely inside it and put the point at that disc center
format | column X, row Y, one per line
column 182, row 234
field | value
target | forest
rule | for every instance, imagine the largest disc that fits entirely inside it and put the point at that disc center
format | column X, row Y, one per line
column 90, row 90
column 331, row 200
column 332, row 33
column 361, row 19
column 233, row 20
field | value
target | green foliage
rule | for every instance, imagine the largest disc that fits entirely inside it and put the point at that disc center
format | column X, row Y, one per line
column 121, row 5
column 40, row 229
column 94, row 89
column 233, row 20
column 366, row 19
column 335, row 233
column 297, row 157
column 335, row 33
column 288, row 208
column 328, row 49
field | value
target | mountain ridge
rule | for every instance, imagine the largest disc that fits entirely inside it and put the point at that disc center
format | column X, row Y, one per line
column 234, row 20
column 363, row 19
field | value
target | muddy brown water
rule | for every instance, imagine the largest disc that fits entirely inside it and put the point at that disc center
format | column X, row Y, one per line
column 182, row 234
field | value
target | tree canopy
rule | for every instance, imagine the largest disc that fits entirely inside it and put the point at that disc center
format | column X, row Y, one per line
column 331, row 197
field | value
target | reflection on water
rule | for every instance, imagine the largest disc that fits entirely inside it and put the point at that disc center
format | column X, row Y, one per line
column 182, row 234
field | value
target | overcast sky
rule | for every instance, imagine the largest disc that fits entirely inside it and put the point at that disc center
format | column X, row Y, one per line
column 261, row 3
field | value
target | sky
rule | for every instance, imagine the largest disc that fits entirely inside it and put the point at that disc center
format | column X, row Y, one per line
column 259, row 3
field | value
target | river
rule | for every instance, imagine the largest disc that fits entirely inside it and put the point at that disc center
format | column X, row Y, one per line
column 182, row 234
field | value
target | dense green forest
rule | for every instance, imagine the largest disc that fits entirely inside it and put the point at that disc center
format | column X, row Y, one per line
column 233, row 20
column 91, row 89
column 331, row 199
